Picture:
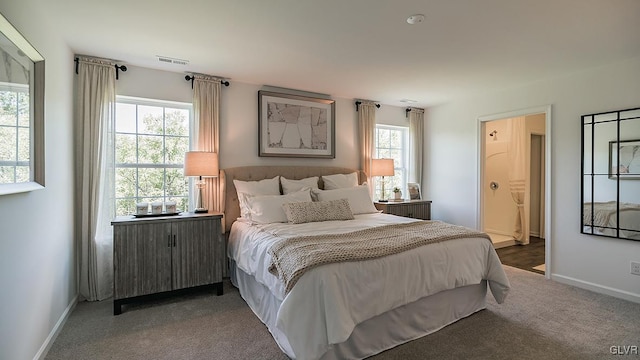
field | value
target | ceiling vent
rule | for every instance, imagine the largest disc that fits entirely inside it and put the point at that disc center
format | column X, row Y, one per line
column 169, row 60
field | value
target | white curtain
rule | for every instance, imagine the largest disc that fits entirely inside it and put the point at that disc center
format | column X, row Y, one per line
column 94, row 126
column 206, row 108
column 517, row 172
column 416, row 134
column 367, row 127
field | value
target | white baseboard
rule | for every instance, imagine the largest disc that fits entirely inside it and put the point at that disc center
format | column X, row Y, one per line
column 617, row 293
column 44, row 349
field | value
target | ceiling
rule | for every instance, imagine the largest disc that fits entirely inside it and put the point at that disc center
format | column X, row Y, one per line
column 361, row 49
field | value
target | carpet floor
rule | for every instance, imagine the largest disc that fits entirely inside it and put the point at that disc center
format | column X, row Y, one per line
column 540, row 319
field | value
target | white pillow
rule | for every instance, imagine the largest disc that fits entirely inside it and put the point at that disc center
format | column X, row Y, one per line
column 340, row 181
column 266, row 209
column 262, row 187
column 358, row 197
column 290, row 186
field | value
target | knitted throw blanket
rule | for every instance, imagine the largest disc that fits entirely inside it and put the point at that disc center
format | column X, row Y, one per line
column 292, row 257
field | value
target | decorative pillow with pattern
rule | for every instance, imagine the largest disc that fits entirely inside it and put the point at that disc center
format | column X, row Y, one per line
column 304, row 212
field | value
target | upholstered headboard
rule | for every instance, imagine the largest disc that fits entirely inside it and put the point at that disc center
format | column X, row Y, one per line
column 255, row 173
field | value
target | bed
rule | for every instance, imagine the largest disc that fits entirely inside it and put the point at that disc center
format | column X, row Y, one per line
column 608, row 216
column 353, row 309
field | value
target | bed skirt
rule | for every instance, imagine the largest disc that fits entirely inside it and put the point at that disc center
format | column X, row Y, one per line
column 379, row 333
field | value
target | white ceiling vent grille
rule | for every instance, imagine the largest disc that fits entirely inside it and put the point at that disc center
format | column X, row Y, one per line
column 169, row 60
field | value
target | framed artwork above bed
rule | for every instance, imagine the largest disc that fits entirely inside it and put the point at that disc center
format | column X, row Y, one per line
column 295, row 126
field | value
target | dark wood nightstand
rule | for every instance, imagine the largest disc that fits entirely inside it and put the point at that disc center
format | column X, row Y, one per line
column 417, row 209
column 158, row 255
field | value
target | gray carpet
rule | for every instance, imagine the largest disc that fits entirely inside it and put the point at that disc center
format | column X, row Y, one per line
column 541, row 319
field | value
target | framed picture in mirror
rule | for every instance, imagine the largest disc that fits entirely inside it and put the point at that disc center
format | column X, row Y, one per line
column 624, row 159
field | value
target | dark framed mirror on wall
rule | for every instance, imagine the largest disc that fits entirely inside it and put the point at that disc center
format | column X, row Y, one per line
column 610, row 185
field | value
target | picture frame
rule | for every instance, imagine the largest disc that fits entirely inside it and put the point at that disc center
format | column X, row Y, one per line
column 295, row 126
column 414, row 191
column 629, row 164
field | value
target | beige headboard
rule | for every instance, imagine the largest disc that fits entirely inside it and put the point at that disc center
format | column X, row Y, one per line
column 255, row 173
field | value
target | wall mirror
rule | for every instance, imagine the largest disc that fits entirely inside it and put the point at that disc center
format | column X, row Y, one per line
column 611, row 174
column 21, row 113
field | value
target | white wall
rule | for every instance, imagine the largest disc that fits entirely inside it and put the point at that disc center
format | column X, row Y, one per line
column 451, row 166
column 37, row 260
column 392, row 115
column 239, row 118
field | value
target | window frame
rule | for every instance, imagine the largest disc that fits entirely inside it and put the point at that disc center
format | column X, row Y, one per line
column 164, row 104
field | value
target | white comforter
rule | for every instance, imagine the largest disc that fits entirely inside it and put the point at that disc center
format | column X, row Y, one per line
column 328, row 302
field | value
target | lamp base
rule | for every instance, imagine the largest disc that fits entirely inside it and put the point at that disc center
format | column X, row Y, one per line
column 200, row 206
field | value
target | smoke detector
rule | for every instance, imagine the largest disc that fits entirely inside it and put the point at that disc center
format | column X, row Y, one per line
column 415, row 19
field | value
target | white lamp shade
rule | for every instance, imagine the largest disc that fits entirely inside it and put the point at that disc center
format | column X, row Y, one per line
column 382, row 167
column 201, row 163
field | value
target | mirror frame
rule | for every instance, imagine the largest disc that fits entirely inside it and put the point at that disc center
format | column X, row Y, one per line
column 588, row 169
column 36, row 111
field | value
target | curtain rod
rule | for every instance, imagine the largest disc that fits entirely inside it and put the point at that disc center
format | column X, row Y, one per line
column 360, row 102
column 118, row 67
column 190, row 78
column 408, row 110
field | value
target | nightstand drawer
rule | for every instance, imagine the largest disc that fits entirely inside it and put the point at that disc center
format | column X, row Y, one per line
column 417, row 209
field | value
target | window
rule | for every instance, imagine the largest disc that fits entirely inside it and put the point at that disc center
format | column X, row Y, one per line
column 392, row 142
column 15, row 133
column 151, row 138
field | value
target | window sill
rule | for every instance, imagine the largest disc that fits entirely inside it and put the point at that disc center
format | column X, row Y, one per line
column 6, row 189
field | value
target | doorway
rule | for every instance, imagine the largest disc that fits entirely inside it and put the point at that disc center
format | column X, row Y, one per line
column 514, row 178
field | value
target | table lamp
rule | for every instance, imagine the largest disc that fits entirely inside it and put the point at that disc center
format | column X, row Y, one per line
column 382, row 167
column 200, row 164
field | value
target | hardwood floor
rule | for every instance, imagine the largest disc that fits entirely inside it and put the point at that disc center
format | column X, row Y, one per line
column 524, row 257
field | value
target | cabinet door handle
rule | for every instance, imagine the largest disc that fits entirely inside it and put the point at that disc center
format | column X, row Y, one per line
column 174, row 240
column 169, row 243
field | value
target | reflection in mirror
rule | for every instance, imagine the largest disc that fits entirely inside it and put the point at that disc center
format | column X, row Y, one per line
column 611, row 174
column 21, row 113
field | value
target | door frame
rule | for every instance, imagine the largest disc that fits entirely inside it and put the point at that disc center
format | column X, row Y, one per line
column 546, row 110
column 541, row 179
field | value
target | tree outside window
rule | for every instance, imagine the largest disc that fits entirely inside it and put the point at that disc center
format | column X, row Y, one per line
column 151, row 139
column 15, row 134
